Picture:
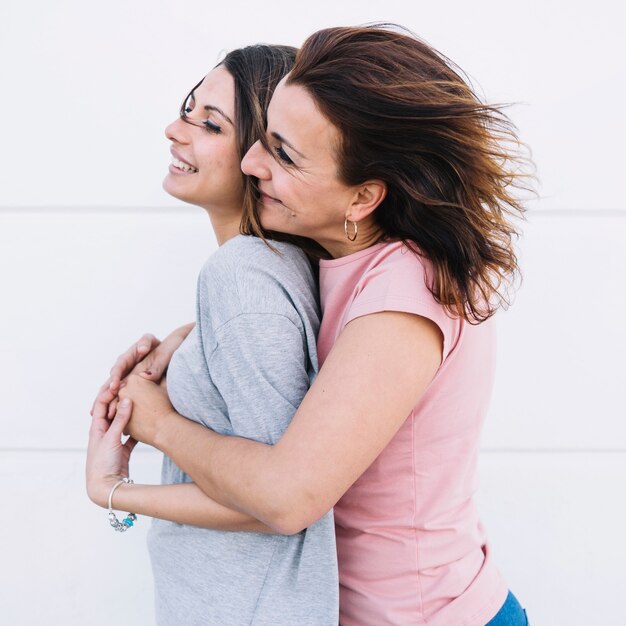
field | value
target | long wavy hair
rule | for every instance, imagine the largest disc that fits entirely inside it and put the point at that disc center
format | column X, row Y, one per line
column 452, row 164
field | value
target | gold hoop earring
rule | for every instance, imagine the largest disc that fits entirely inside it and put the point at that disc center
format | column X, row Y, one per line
column 345, row 229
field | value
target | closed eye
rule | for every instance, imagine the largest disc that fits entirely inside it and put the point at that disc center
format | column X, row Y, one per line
column 283, row 156
column 211, row 127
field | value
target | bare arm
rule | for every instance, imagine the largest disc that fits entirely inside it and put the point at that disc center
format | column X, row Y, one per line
column 107, row 462
column 375, row 374
column 184, row 503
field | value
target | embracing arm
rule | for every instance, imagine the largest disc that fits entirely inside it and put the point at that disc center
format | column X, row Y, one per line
column 259, row 364
column 107, row 462
column 377, row 371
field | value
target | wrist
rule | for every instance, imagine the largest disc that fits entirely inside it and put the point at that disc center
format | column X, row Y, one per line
column 184, row 441
column 129, row 520
column 99, row 490
column 165, row 430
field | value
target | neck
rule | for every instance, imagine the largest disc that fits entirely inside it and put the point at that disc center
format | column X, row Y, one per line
column 368, row 235
column 225, row 224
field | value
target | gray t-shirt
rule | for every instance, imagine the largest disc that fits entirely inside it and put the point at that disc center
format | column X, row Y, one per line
column 244, row 370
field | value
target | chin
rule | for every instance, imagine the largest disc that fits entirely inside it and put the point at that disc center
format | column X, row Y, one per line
column 274, row 225
column 175, row 191
column 270, row 220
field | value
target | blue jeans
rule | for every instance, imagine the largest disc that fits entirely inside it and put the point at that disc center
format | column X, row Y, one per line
column 511, row 614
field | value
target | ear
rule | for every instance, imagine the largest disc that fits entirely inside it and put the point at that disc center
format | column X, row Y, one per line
column 366, row 199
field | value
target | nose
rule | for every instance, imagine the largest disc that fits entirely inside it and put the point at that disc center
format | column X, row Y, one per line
column 254, row 162
column 177, row 131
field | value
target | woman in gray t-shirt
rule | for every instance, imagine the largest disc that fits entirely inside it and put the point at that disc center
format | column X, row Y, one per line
column 251, row 354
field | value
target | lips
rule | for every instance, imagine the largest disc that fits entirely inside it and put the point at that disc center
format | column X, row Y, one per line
column 266, row 196
column 179, row 163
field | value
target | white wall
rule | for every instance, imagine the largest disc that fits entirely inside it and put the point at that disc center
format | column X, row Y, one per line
column 93, row 254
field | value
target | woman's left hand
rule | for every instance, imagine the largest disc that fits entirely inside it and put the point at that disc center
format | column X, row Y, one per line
column 151, row 405
column 107, row 456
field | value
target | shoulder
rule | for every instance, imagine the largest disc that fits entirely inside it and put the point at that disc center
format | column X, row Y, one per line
column 399, row 278
column 245, row 253
column 246, row 276
column 399, row 271
column 244, row 247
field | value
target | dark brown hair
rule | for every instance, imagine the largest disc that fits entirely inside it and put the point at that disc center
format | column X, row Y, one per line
column 451, row 162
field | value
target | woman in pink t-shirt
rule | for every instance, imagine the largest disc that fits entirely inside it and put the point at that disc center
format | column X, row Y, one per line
column 379, row 151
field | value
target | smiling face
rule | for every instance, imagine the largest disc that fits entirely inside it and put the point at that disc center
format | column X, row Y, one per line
column 301, row 193
column 205, row 161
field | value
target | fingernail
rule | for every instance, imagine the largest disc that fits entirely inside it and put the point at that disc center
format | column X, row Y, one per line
column 143, row 347
column 125, row 403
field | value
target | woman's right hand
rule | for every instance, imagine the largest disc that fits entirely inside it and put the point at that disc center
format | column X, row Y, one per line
column 147, row 357
column 107, row 457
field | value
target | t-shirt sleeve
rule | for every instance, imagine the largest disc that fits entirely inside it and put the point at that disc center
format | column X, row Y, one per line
column 400, row 285
column 260, row 368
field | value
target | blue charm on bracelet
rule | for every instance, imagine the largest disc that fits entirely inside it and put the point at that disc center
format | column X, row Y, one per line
column 129, row 520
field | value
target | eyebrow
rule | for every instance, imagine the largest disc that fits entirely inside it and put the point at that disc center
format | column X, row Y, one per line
column 283, row 140
column 211, row 107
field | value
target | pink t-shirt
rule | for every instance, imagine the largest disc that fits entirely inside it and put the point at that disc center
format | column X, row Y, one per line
column 412, row 550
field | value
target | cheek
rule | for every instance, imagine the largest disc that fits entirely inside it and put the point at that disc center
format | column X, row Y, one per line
column 294, row 193
column 231, row 163
column 217, row 152
column 317, row 205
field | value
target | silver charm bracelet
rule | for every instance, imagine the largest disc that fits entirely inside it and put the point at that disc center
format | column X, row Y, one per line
column 129, row 520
